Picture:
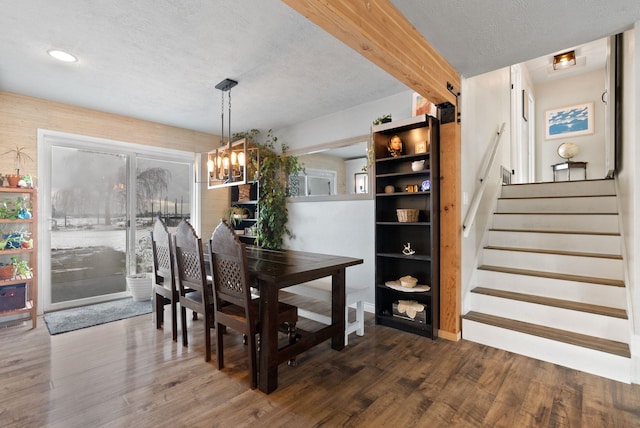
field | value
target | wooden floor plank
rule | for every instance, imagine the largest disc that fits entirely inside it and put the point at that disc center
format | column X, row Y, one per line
column 127, row 373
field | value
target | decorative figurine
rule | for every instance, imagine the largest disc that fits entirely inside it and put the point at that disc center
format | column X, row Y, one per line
column 407, row 251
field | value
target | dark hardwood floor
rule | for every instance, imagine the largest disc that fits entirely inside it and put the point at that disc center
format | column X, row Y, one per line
column 128, row 374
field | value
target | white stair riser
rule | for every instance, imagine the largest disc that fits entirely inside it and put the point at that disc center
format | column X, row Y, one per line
column 605, row 223
column 576, row 357
column 567, row 264
column 582, row 292
column 597, row 244
column 600, row 204
column 564, row 319
column 574, row 188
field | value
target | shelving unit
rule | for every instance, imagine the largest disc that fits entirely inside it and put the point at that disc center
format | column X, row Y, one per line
column 12, row 290
column 249, row 204
column 420, row 138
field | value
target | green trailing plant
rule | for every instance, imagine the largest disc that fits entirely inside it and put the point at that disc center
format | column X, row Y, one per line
column 274, row 169
column 20, row 267
column 382, row 119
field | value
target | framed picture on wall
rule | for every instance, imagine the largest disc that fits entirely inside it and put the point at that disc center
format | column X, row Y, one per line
column 421, row 105
column 569, row 121
column 361, row 180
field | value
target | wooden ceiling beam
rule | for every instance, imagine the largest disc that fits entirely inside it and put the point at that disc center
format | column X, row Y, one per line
column 379, row 32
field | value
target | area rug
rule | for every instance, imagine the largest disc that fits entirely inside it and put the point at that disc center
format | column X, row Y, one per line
column 88, row 316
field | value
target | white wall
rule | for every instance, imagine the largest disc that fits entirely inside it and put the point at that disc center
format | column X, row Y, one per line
column 343, row 228
column 584, row 88
column 485, row 106
column 628, row 188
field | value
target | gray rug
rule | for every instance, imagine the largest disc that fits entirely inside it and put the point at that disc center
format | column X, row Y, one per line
column 101, row 313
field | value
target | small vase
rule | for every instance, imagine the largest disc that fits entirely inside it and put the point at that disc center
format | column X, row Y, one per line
column 13, row 180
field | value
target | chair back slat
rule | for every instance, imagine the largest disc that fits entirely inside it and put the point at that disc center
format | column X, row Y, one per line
column 162, row 254
column 229, row 268
column 190, row 260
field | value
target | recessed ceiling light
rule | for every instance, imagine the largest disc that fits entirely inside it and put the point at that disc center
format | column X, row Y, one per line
column 62, row 55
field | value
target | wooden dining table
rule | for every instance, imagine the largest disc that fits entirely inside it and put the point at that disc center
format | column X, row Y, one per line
column 274, row 270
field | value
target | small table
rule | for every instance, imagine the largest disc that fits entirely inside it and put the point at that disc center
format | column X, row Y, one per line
column 569, row 165
column 274, row 270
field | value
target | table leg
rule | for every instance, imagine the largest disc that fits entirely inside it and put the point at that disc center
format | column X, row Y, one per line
column 338, row 302
column 268, row 356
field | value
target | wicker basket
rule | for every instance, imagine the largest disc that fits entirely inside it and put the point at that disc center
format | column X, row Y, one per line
column 407, row 215
column 244, row 192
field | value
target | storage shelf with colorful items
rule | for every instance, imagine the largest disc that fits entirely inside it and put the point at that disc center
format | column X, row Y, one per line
column 18, row 261
column 407, row 205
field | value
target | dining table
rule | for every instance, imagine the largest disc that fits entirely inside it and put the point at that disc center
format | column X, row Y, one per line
column 273, row 270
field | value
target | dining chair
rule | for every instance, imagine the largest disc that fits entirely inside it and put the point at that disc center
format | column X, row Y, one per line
column 234, row 306
column 192, row 276
column 165, row 288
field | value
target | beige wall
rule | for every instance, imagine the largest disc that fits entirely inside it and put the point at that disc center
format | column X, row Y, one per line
column 21, row 116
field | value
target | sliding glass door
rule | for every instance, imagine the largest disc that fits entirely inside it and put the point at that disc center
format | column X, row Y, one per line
column 98, row 203
column 88, row 224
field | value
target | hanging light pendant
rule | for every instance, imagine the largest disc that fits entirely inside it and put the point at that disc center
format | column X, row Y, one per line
column 226, row 164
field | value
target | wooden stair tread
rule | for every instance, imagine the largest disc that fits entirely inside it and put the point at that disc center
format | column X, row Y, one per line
column 566, row 232
column 585, row 341
column 554, row 275
column 555, row 252
column 551, row 213
column 556, row 303
column 599, row 195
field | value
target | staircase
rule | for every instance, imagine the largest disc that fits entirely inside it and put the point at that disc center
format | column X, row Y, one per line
column 550, row 284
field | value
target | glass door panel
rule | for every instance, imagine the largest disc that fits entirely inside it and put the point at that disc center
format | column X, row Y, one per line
column 88, row 225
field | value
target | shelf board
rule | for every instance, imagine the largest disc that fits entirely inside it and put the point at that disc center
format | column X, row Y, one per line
column 16, row 190
column 403, row 174
column 252, row 202
column 16, row 251
column 17, row 220
column 397, row 223
column 406, row 325
column 403, row 158
column 417, row 257
column 395, row 194
column 14, row 281
column 27, row 308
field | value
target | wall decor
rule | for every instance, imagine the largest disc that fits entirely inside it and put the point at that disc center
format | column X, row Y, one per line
column 569, row 121
column 361, row 181
column 421, row 105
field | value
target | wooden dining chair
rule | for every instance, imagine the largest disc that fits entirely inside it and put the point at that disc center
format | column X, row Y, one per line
column 234, row 306
column 191, row 276
column 165, row 288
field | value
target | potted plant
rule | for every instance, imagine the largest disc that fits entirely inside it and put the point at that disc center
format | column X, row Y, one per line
column 15, row 268
column 382, row 119
column 273, row 171
column 140, row 282
column 19, row 157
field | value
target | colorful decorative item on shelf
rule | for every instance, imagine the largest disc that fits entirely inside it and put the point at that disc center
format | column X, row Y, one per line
column 426, row 185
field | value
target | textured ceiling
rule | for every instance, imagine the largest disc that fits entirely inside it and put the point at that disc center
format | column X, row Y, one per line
column 160, row 60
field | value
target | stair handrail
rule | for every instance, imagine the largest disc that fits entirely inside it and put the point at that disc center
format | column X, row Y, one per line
column 477, row 196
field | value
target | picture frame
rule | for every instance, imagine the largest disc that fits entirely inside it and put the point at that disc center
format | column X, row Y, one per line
column 422, row 147
column 570, row 121
column 420, row 105
column 361, row 180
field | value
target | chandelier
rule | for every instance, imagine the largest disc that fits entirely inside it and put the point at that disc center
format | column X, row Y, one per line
column 227, row 164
